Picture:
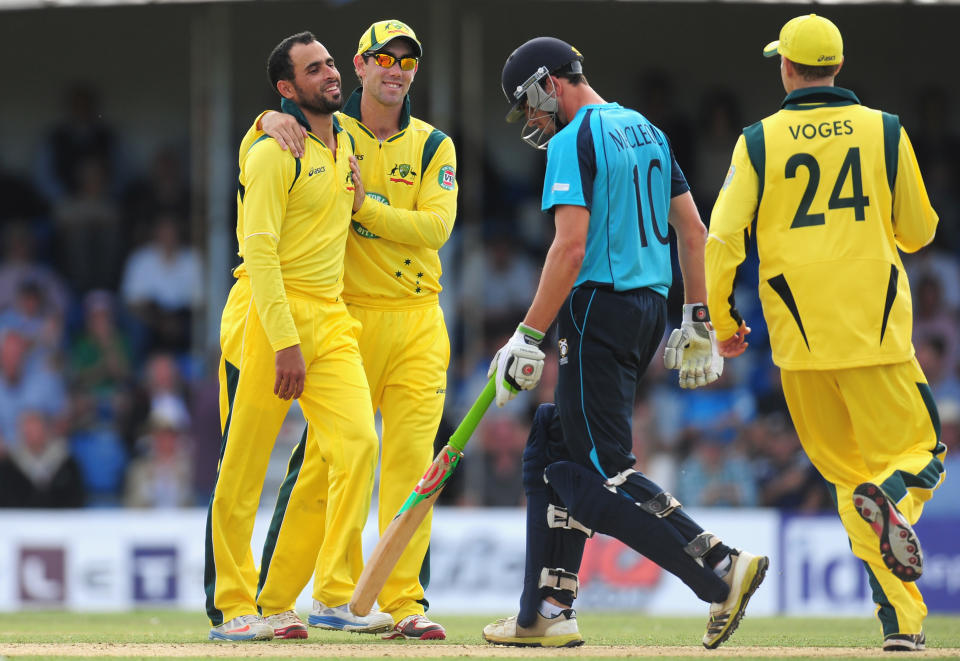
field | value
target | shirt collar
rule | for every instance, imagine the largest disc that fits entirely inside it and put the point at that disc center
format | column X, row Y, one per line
column 817, row 97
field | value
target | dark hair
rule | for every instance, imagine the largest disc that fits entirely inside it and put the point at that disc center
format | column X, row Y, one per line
column 813, row 72
column 568, row 75
column 279, row 64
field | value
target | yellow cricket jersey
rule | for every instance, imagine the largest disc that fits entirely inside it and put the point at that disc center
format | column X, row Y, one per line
column 292, row 221
column 828, row 189
column 411, row 184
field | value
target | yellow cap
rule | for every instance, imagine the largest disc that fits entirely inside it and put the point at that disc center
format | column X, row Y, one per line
column 812, row 40
column 381, row 33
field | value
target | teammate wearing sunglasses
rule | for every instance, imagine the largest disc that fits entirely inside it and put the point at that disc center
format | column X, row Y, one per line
column 391, row 285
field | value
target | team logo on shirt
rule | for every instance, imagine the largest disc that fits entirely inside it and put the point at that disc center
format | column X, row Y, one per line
column 564, row 349
column 447, row 178
column 400, row 172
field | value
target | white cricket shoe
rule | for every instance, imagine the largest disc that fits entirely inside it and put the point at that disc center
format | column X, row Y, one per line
column 744, row 577
column 287, row 625
column 559, row 631
column 244, row 627
column 339, row 618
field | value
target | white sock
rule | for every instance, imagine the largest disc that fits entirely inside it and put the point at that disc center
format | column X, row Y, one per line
column 722, row 567
column 549, row 610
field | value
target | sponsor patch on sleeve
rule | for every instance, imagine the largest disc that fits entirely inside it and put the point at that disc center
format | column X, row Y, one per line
column 560, row 188
column 730, row 173
column 447, row 178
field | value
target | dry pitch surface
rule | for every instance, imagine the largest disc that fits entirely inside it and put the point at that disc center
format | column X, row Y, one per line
column 429, row 650
column 179, row 635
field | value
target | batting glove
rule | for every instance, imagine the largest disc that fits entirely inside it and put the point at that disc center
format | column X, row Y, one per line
column 518, row 364
column 692, row 349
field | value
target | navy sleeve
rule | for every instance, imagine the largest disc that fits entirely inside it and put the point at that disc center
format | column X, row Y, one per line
column 586, row 159
column 678, row 182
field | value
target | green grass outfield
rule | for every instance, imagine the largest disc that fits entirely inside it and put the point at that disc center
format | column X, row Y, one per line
column 183, row 635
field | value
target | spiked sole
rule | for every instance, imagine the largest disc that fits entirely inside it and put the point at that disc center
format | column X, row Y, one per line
column 759, row 572
column 569, row 640
column 899, row 546
column 292, row 632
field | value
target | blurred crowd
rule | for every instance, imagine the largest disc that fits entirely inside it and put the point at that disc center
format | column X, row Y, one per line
column 109, row 398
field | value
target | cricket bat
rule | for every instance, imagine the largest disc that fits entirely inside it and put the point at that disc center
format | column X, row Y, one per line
column 397, row 535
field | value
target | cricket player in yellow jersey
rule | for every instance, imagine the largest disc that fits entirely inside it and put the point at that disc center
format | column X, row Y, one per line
column 391, row 286
column 286, row 333
column 836, row 190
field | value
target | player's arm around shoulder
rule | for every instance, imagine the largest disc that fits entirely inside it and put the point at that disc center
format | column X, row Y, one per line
column 914, row 220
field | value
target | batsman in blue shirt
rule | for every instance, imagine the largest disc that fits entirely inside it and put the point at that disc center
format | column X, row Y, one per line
column 614, row 189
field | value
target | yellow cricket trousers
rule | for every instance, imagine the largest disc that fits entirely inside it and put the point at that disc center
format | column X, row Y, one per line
column 872, row 424
column 405, row 356
column 335, row 400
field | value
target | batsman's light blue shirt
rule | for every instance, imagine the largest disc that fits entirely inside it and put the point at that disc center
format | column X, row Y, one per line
column 614, row 162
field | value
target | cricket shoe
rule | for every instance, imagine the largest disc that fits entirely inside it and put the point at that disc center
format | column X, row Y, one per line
column 287, row 625
column 744, row 576
column 244, row 627
column 558, row 631
column 416, row 627
column 905, row 642
column 899, row 546
column 339, row 618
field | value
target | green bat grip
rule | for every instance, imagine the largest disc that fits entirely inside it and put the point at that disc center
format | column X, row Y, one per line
column 460, row 436
column 446, row 462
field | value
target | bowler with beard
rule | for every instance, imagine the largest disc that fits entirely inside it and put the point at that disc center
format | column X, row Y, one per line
column 285, row 334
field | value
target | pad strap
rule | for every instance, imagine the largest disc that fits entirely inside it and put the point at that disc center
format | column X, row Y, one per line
column 660, row 505
column 559, row 579
column 700, row 545
column 613, row 482
column 559, row 517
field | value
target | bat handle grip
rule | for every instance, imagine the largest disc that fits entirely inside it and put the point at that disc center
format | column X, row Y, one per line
column 459, row 438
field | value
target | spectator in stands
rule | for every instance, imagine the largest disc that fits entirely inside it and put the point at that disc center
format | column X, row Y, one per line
column 502, row 439
column 717, row 133
column 941, row 376
column 100, row 371
column 19, row 264
column 785, row 477
column 934, row 319
column 39, row 471
column 21, row 201
column 163, row 190
column 507, row 280
column 88, row 229
column 36, row 319
column 161, row 286
column 162, row 476
column 161, row 391
column 26, row 386
column 716, row 475
column 80, row 136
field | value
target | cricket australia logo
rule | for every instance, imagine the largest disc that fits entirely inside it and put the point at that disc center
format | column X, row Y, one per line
column 564, row 349
column 400, row 172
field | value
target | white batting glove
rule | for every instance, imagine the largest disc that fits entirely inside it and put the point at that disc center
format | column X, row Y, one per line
column 518, row 364
column 692, row 349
